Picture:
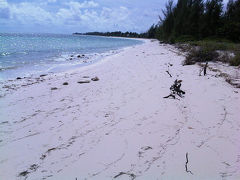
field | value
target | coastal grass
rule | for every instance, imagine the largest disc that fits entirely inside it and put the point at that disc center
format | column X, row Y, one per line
column 221, row 50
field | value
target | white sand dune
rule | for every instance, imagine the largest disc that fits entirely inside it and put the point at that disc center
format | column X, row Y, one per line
column 121, row 127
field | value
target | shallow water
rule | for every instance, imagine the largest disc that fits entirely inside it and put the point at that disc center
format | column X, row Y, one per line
column 29, row 54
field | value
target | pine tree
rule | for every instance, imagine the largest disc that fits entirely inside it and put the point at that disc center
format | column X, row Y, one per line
column 167, row 22
column 232, row 20
column 212, row 18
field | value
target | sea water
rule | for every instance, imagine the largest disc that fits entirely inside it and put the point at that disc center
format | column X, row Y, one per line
column 29, row 54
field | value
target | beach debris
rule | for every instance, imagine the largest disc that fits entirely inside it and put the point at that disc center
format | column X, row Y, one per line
column 175, row 90
column 84, row 81
column 204, row 69
column 133, row 176
column 51, row 149
column 146, row 148
column 80, row 56
column 31, row 169
column 186, row 165
column 95, row 79
column 54, row 88
column 24, row 173
column 65, row 83
column 43, row 156
column 42, row 75
column 169, row 73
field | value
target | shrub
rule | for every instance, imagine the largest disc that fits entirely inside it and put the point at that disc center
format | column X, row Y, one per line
column 185, row 38
column 235, row 61
column 201, row 54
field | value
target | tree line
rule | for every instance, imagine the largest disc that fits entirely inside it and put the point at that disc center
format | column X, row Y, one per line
column 115, row 34
column 197, row 19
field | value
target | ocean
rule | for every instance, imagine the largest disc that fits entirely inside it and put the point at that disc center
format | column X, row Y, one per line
column 23, row 55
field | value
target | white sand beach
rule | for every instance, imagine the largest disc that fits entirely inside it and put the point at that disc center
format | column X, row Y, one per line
column 120, row 127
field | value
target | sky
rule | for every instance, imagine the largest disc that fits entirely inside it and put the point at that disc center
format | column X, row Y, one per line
column 68, row 16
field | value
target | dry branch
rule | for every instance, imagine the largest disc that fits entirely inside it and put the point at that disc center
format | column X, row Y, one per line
column 186, row 165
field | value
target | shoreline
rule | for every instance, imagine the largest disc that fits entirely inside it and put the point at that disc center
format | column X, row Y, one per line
column 58, row 61
column 120, row 126
column 89, row 60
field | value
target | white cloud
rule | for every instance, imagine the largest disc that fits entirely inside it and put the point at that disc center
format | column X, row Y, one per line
column 52, row 1
column 3, row 3
column 30, row 13
column 78, row 5
column 73, row 15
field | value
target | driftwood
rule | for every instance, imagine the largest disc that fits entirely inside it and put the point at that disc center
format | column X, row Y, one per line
column 169, row 73
column 133, row 176
column 186, row 165
column 204, row 69
column 175, row 90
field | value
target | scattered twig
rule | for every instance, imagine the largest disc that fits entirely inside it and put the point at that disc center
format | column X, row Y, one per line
column 186, row 165
column 170, row 95
column 133, row 176
column 169, row 73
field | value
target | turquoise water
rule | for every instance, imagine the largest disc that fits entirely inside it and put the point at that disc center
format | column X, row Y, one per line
column 27, row 54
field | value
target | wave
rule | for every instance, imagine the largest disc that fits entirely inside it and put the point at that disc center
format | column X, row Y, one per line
column 8, row 68
column 3, row 54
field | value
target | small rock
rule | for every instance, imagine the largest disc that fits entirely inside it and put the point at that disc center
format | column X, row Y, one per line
column 83, row 55
column 71, row 59
column 95, row 79
column 71, row 56
column 42, row 75
column 18, row 78
column 82, row 82
column 65, row 83
column 24, row 173
column 146, row 148
column 34, row 167
column 43, row 157
column 79, row 56
column 85, row 76
column 53, row 88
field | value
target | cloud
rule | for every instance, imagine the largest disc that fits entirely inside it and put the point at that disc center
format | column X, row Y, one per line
column 30, row 13
column 71, row 16
column 4, row 10
column 52, row 1
column 78, row 5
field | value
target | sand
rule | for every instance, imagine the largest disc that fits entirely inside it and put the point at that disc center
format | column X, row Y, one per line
column 120, row 127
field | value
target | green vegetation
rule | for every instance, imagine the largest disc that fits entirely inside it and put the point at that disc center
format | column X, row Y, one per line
column 205, row 26
column 116, row 34
column 236, row 60
column 191, row 20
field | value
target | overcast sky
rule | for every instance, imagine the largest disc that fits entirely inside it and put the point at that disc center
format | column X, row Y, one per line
column 64, row 16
